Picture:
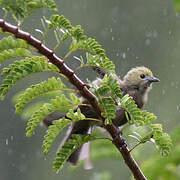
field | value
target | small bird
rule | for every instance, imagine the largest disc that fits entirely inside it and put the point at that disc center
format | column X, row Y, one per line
column 137, row 83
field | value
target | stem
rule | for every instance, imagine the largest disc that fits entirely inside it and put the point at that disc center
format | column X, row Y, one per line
column 68, row 54
column 84, row 91
column 135, row 146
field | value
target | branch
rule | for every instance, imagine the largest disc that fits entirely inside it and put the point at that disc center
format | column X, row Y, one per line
column 81, row 86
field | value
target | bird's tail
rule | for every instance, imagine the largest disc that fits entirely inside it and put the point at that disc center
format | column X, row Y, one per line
column 82, row 153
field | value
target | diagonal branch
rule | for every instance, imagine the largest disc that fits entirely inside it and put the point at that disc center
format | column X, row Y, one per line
column 81, row 86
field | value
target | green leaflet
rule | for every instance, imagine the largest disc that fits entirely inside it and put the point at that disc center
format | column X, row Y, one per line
column 58, row 126
column 59, row 21
column 90, row 45
column 163, row 140
column 129, row 105
column 23, row 8
column 148, row 117
column 37, row 90
column 109, row 85
column 53, row 131
column 68, row 148
column 14, row 53
column 59, row 103
column 23, row 68
column 103, row 63
column 11, row 43
column 108, row 104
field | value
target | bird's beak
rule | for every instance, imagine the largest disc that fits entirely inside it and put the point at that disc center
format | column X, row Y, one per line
column 151, row 79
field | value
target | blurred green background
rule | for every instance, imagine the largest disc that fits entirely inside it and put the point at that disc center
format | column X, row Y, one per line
column 133, row 33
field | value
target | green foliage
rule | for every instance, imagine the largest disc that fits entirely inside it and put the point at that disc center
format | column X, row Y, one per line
column 37, row 90
column 60, row 103
column 68, row 148
column 137, row 116
column 89, row 44
column 103, row 63
column 23, row 68
column 53, row 131
column 14, row 53
column 58, row 126
column 23, row 8
column 165, row 168
column 59, row 21
column 162, row 140
column 109, row 85
column 109, row 107
column 11, row 43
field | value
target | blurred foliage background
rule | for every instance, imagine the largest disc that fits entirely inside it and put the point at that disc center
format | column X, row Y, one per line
column 133, row 33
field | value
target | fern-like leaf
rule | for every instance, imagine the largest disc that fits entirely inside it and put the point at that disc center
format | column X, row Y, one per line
column 103, row 63
column 37, row 90
column 22, row 9
column 59, row 21
column 109, row 85
column 58, row 126
column 135, row 114
column 53, row 131
column 61, row 103
column 68, row 148
column 11, row 43
column 14, row 53
column 108, row 105
column 23, row 68
column 90, row 45
column 162, row 140
column 78, row 34
column 148, row 117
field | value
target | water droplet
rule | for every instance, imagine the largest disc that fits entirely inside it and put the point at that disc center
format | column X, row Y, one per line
column 6, row 142
column 147, row 42
column 124, row 55
column 177, row 107
column 163, row 92
column 112, row 38
column 111, row 30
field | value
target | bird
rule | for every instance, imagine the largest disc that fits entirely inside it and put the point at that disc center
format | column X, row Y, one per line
column 137, row 83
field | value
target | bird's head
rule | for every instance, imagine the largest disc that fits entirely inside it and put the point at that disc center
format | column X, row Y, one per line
column 140, row 77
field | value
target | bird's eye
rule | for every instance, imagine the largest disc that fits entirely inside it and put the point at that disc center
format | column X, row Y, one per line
column 142, row 76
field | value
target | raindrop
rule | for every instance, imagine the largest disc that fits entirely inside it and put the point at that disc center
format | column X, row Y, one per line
column 38, row 30
column 177, row 107
column 6, row 142
column 117, row 54
column 170, row 32
column 12, row 138
column 163, row 92
column 112, row 38
column 124, row 55
column 111, row 30
column 128, row 49
column 147, row 42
